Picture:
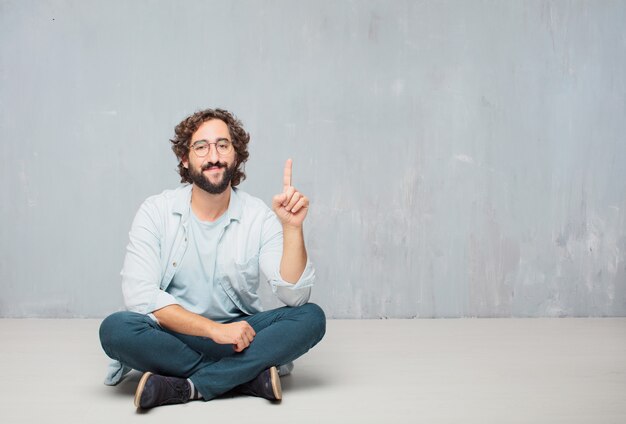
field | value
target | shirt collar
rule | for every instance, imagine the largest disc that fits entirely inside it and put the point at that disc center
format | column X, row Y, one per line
column 183, row 201
column 234, row 207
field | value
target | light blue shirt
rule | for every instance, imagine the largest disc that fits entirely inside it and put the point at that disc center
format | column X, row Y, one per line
column 251, row 243
column 194, row 285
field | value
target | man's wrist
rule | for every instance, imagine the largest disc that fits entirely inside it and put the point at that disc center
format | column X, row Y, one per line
column 292, row 229
column 211, row 328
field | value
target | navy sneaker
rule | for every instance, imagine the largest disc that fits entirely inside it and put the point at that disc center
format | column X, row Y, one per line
column 265, row 385
column 156, row 390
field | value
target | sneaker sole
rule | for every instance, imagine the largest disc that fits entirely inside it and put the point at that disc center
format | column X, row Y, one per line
column 140, row 387
column 276, row 388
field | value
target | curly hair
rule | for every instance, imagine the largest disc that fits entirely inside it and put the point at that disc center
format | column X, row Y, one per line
column 189, row 125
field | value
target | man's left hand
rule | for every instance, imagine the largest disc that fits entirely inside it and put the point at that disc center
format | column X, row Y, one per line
column 290, row 206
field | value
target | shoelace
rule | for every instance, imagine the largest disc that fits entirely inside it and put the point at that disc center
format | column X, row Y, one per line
column 177, row 387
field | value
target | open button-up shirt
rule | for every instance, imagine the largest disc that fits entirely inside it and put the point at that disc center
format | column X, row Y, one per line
column 252, row 242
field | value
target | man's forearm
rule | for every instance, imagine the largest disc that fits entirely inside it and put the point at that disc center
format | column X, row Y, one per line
column 294, row 257
column 178, row 319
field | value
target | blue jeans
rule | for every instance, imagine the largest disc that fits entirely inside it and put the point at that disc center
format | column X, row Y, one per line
column 282, row 335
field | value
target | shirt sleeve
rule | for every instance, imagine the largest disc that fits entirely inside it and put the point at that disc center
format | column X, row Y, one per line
column 292, row 294
column 142, row 273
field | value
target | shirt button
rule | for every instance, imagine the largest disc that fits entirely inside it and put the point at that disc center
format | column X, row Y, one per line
column 174, row 263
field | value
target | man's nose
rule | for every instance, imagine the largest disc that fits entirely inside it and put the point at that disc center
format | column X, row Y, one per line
column 213, row 156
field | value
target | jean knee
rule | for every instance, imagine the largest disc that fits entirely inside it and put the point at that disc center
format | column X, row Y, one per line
column 114, row 330
column 316, row 318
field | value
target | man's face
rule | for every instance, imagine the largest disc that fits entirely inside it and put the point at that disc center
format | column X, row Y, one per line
column 212, row 173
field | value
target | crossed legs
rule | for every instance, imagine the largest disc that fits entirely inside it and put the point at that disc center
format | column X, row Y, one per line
column 282, row 335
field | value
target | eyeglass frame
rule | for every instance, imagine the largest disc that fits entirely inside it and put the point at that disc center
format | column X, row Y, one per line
column 195, row 143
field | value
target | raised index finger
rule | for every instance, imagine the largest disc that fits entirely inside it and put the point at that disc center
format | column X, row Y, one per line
column 287, row 174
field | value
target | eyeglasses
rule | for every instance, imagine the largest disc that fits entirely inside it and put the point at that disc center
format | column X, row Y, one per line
column 201, row 147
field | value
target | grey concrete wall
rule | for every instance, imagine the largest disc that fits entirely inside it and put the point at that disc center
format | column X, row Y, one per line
column 463, row 158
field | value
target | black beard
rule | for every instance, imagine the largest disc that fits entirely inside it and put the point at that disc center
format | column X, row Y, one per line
column 199, row 179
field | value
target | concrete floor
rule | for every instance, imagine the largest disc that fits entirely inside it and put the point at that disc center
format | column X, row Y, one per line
column 370, row 371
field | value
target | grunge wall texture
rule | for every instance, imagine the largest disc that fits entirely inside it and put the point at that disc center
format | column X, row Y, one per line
column 463, row 159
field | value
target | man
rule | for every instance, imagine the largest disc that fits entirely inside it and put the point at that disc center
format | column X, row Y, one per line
column 194, row 323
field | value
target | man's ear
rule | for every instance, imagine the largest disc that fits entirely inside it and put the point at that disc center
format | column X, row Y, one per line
column 185, row 162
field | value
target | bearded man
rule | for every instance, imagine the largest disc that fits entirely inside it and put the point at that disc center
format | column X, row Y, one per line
column 194, row 324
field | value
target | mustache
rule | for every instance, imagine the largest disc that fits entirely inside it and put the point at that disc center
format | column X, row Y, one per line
column 211, row 164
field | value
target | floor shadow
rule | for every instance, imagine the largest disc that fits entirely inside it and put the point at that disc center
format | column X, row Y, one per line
column 294, row 383
column 128, row 385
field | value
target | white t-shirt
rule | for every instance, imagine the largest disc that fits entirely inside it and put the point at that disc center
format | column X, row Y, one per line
column 194, row 285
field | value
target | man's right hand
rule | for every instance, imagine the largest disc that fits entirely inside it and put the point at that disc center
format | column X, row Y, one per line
column 240, row 334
